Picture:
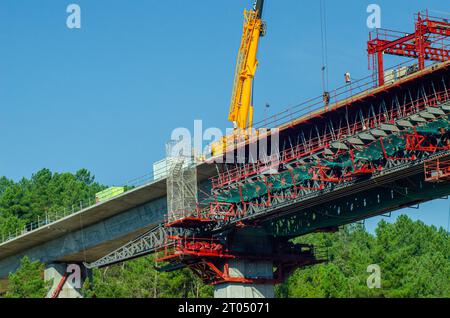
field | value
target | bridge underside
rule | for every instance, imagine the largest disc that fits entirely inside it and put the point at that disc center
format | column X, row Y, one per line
column 363, row 157
column 351, row 207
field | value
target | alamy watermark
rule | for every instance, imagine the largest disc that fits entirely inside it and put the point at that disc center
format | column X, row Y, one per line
column 374, row 18
column 74, row 275
column 233, row 146
column 74, row 19
column 374, row 279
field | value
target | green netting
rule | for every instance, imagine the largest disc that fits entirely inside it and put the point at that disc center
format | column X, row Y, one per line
column 299, row 175
column 282, row 181
column 342, row 162
column 434, row 127
column 394, row 144
column 254, row 190
column 231, row 196
column 371, row 153
column 249, row 191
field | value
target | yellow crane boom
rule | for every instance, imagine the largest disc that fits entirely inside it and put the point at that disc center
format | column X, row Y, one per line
column 241, row 108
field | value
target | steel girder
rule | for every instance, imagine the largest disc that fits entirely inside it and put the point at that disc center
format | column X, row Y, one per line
column 281, row 207
column 349, row 209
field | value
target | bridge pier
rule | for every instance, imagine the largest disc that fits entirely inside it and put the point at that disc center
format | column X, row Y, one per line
column 67, row 280
column 250, row 270
column 250, row 277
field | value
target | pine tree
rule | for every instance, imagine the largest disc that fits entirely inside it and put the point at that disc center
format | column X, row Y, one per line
column 27, row 281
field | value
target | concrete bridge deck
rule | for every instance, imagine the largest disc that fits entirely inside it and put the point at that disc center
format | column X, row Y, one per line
column 95, row 231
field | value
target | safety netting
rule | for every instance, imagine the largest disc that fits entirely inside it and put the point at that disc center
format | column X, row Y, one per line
column 298, row 176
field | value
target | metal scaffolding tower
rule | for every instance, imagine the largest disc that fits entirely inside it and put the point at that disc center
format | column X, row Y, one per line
column 182, row 193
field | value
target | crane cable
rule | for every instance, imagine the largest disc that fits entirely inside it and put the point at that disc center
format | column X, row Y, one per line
column 324, row 40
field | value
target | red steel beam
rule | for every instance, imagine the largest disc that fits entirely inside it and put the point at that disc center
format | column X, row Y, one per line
column 411, row 45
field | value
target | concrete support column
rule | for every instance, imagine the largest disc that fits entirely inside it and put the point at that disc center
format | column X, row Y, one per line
column 75, row 276
column 247, row 269
column 249, row 241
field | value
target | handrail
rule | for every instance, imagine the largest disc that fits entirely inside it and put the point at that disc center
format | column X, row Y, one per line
column 299, row 151
column 52, row 217
column 338, row 95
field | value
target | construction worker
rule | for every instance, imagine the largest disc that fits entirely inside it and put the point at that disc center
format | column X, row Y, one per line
column 326, row 98
column 348, row 78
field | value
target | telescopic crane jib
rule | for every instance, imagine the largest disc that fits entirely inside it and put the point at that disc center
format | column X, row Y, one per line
column 241, row 108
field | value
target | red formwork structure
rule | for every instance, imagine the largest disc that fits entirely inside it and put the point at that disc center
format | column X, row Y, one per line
column 322, row 173
column 209, row 257
column 188, row 219
column 428, row 42
column 317, row 144
column 202, row 215
column 418, row 142
column 437, row 170
column 196, row 247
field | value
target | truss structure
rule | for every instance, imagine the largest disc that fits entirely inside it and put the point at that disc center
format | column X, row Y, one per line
column 350, row 136
column 152, row 241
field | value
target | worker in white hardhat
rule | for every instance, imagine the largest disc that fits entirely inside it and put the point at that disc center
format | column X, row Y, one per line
column 348, row 78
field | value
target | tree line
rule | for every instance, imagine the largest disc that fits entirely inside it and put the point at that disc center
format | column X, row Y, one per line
column 413, row 258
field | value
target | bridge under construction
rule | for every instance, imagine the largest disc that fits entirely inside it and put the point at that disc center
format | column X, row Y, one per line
column 374, row 146
column 368, row 148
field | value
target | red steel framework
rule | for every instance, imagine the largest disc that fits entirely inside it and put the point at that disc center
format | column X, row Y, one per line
column 437, row 170
column 209, row 257
column 202, row 216
column 196, row 247
column 418, row 142
column 428, row 42
column 316, row 144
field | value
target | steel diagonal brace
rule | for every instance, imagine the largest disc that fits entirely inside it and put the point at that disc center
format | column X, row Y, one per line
column 148, row 243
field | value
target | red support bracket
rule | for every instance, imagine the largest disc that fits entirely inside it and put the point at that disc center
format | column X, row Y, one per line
column 60, row 286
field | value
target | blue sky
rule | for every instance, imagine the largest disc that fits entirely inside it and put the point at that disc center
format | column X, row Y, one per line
column 107, row 97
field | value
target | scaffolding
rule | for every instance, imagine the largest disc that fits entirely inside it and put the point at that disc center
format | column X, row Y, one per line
column 182, row 192
column 437, row 170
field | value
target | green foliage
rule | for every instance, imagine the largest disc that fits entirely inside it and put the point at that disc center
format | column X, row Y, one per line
column 27, row 281
column 139, row 279
column 413, row 257
column 45, row 194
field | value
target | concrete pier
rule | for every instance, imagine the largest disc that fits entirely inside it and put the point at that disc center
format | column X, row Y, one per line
column 249, row 241
column 248, row 269
column 76, row 275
